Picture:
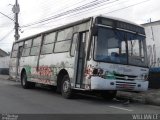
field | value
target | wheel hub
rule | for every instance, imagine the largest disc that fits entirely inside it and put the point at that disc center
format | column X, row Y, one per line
column 23, row 81
column 66, row 86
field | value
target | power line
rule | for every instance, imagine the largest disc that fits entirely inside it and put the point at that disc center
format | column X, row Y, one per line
column 7, row 16
column 91, row 4
column 80, row 12
column 56, row 19
column 101, row 8
column 6, row 43
column 106, row 12
column 60, row 14
column 4, row 37
column 62, row 9
column 127, row 7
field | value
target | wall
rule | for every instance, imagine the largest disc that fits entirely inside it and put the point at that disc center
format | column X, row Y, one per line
column 4, row 65
column 153, row 48
column 153, row 43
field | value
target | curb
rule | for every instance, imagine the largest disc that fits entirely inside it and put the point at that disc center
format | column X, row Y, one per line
column 7, row 77
column 150, row 99
column 4, row 77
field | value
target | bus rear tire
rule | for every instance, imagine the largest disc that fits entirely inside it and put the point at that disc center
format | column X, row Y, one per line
column 66, row 90
column 24, row 83
column 108, row 95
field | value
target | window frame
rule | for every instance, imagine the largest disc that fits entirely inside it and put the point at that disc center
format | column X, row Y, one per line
column 17, row 49
column 56, row 41
column 49, row 43
column 64, row 30
column 72, row 43
column 13, row 50
column 61, row 42
column 27, row 47
column 36, row 46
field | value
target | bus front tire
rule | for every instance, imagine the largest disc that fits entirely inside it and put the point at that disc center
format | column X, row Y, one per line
column 66, row 90
column 24, row 83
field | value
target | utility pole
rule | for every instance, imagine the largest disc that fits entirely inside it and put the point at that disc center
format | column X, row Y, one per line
column 16, row 11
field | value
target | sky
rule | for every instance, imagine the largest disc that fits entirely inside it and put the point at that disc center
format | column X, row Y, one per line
column 38, row 11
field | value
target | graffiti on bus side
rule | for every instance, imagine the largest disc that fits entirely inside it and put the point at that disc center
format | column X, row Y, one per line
column 89, row 71
column 45, row 71
column 43, row 81
column 28, row 69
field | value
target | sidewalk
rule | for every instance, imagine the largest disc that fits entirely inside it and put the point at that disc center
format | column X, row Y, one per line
column 151, row 97
column 4, row 77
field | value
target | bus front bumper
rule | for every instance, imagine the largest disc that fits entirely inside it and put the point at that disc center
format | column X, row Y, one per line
column 98, row 83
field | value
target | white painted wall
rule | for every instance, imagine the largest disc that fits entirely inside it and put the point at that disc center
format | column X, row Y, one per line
column 153, row 43
column 4, row 62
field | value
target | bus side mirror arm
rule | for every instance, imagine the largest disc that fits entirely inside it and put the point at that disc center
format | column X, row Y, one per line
column 94, row 30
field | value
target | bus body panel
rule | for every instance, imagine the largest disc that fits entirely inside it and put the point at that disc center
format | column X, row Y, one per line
column 98, row 83
column 107, row 76
column 45, row 68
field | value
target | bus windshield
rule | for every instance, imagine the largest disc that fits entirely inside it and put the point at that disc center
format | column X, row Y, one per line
column 117, row 46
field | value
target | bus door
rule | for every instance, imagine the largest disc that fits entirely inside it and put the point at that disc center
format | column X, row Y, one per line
column 80, row 55
column 20, row 49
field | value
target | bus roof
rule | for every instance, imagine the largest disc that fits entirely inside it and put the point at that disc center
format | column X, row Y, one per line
column 118, row 19
column 58, row 28
column 76, row 23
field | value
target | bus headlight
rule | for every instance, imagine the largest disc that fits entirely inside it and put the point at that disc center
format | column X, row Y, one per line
column 98, row 71
column 144, row 77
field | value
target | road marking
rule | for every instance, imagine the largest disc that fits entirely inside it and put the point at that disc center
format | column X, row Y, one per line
column 121, row 108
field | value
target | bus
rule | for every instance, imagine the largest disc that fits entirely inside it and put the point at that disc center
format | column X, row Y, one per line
column 99, row 53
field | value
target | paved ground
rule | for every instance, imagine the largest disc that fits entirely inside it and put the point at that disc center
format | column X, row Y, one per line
column 15, row 99
column 151, row 96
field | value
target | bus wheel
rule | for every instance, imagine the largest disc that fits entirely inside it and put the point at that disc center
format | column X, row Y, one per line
column 24, row 83
column 66, row 90
column 109, row 95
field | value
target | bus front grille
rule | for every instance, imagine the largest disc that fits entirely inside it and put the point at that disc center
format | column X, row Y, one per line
column 125, row 77
column 125, row 85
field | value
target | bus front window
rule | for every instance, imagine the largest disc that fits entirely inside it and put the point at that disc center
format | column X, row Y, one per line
column 136, row 52
column 109, row 47
column 115, row 46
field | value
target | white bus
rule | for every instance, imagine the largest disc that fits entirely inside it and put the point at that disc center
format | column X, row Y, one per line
column 99, row 54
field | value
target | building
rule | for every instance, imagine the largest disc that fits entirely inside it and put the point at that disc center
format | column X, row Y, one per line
column 3, row 53
column 152, row 30
column 4, row 62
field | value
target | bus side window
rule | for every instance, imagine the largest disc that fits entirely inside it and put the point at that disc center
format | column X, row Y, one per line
column 65, row 34
column 63, row 42
column 14, row 54
column 36, row 46
column 74, row 44
column 20, row 51
column 27, row 47
column 48, row 43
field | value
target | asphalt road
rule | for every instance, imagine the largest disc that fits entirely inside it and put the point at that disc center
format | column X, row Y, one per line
column 14, row 99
